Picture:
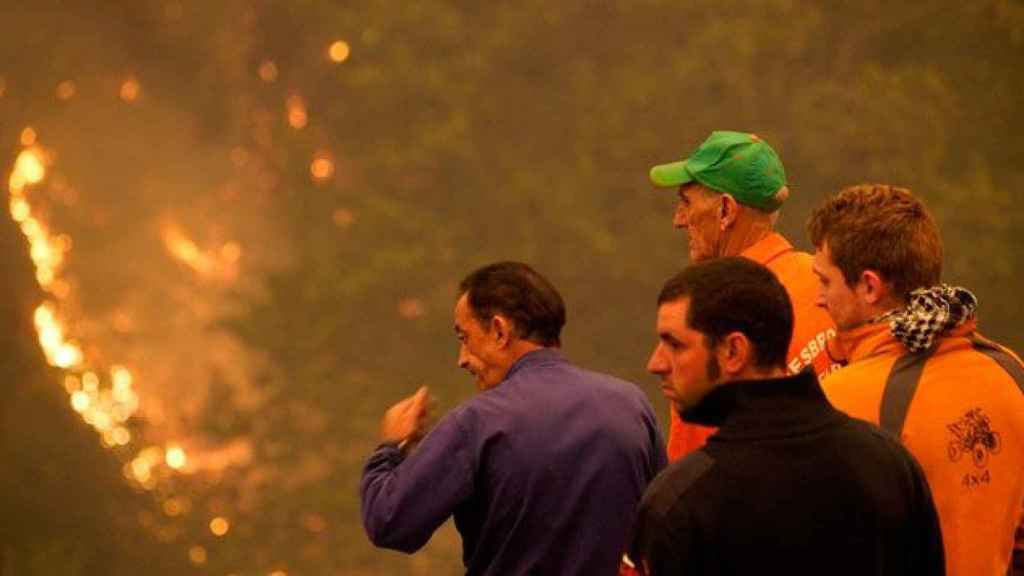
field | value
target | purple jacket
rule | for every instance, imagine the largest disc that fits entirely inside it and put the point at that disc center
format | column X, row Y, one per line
column 543, row 473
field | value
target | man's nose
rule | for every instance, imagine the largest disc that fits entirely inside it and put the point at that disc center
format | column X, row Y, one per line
column 819, row 301
column 656, row 364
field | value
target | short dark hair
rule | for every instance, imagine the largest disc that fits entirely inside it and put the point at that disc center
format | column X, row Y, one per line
column 520, row 293
column 736, row 295
column 882, row 228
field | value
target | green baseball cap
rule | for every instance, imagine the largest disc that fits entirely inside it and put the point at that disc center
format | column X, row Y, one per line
column 735, row 163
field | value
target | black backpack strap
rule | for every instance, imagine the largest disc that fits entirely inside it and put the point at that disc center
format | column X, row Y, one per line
column 899, row 390
column 1007, row 362
column 1001, row 357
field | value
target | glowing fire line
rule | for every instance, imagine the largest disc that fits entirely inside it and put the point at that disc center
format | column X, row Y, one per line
column 106, row 408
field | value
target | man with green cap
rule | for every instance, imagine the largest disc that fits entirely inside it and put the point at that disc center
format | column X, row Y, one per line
column 730, row 190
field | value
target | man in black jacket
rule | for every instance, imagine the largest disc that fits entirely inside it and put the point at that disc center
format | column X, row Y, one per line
column 788, row 484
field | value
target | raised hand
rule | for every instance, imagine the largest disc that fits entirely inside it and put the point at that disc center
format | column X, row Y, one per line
column 407, row 421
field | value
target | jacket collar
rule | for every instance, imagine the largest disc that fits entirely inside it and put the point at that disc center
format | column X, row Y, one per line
column 775, row 406
column 536, row 357
column 875, row 338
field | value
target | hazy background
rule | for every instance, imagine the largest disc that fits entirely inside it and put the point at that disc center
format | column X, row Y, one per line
column 265, row 208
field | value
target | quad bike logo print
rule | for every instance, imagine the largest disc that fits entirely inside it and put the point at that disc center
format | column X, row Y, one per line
column 973, row 435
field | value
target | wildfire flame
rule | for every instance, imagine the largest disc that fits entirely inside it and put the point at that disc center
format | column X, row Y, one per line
column 105, row 404
column 221, row 263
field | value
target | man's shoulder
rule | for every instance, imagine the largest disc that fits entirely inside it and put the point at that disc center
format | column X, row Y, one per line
column 795, row 271
column 869, row 371
column 793, row 266
column 857, row 388
column 850, row 372
column 974, row 345
column 878, row 449
column 615, row 389
column 672, row 485
column 950, row 350
column 568, row 373
column 612, row 382
column 460, row 420
column 872, row 436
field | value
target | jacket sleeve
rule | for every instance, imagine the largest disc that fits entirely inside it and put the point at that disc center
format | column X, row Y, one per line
column 659, row 549
column 405, row 499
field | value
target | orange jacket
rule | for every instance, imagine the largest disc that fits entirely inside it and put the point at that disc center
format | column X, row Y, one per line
column 964, row 422
column 811, row 330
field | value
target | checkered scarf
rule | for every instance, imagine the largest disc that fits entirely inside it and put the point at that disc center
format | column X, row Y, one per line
column 930, row 312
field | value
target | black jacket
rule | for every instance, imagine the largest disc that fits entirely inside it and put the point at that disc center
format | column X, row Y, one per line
column 788, row 485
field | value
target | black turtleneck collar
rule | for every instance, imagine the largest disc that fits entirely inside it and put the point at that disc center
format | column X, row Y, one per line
column 763, row 407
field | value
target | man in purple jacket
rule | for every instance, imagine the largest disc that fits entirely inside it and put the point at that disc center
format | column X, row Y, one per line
column 542, row 470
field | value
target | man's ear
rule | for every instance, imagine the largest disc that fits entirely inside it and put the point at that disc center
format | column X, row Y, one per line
column 872, row 287
column 501, row 327
column 728, row 211
column 735, row 353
